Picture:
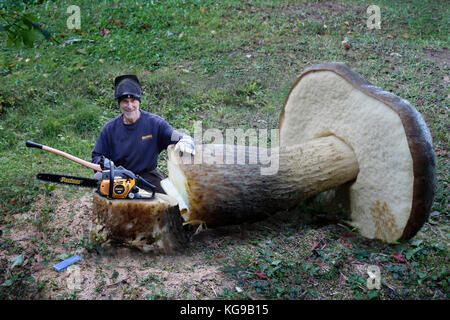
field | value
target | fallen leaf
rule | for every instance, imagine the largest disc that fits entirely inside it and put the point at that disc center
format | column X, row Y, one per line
column 346, row 23
column 17, row 261
column 315, row 245
column 435, row 214
column 261, row 275
column 104, row 32
column 7, row 283
column 218, row 258
column 398, row 257
column 202, row 10
column 405, row 36
column 321, row 264
column 390, row 36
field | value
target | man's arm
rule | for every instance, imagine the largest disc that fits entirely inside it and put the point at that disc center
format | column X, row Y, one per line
column 184, row 142
column 101, row 148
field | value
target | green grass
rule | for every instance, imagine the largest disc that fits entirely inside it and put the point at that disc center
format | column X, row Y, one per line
column 229, row 64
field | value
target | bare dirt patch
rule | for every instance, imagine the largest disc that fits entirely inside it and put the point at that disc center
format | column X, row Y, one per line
column 439, row 56
column 111, row 271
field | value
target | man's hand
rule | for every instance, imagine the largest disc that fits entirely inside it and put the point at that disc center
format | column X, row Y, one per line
column 186, row 144
column 105, row 163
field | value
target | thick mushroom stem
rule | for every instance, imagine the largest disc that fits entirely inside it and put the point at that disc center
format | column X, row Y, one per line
column 213, row 192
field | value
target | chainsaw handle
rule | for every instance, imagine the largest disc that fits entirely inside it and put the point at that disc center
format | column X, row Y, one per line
column 31, row 144
column 144, row 184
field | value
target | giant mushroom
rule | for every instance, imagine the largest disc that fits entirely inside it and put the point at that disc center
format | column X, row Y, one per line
column 337, row 132
column 393, row 192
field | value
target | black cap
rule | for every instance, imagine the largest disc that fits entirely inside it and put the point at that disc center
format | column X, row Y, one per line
column 127, row 86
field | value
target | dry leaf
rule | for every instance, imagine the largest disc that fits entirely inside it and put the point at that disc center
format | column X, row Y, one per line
column 104, row 32
column 321, row 264
column 398, row 257
column 390, row 36
column 405, row 36
column 346, row 22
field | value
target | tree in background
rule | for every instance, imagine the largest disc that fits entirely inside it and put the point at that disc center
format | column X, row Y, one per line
column 20, row 26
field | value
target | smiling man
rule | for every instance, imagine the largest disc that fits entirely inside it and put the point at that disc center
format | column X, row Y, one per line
column 135, row 138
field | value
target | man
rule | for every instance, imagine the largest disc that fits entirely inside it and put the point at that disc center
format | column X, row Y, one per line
column 135, row 138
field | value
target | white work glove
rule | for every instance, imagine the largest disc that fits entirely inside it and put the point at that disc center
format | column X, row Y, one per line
column 185, row 145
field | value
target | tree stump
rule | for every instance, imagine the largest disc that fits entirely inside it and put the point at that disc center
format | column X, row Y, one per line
column 151, row 225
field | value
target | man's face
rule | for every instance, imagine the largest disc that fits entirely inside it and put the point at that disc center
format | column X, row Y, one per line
column 129, row 107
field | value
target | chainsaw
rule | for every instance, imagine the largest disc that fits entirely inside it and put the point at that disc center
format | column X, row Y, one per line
column 115, row 182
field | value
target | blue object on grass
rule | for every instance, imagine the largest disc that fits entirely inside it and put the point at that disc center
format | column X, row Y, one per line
column 64, row 264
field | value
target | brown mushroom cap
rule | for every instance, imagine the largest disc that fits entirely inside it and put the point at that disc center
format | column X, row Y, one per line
column 392, row 195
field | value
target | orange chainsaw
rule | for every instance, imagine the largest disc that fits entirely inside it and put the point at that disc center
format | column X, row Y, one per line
column 115, row 183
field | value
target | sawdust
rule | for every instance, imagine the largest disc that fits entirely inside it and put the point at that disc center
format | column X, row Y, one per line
column 113, row 271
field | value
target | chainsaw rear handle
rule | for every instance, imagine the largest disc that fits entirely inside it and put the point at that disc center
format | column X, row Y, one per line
column 144, row 184
column 31, row 144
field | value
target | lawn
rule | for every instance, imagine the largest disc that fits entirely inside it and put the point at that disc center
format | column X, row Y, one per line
column 228, row 64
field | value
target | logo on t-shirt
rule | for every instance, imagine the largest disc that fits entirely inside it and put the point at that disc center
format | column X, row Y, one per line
column 147, row 137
